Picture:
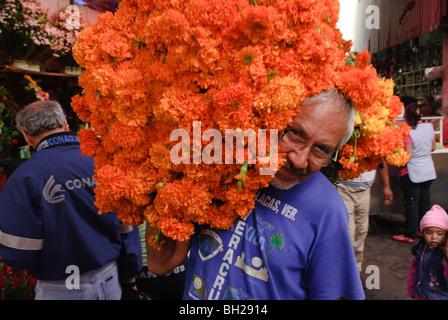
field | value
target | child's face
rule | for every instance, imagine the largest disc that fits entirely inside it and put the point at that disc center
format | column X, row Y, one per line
column 434, row 237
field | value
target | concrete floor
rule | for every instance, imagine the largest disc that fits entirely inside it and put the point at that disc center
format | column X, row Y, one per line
column 389, row 260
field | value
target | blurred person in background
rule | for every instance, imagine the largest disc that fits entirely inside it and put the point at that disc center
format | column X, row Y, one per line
column 49, row 223
column 417, row 176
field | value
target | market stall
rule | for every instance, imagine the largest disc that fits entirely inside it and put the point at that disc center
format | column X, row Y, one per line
column 409, row 44
column 36, row 63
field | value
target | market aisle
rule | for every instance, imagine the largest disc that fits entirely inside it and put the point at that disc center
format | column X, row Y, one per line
column 391, row 257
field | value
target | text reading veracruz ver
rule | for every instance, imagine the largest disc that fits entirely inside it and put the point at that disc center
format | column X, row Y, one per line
column 212, row 152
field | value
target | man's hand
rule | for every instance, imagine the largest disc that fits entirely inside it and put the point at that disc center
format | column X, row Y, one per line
column 171, row 254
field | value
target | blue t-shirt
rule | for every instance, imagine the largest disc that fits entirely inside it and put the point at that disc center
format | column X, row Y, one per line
column 293, row 245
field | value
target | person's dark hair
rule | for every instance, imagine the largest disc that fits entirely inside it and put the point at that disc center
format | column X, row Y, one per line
column 412, row 115
column 40, row 117
column 407, row 100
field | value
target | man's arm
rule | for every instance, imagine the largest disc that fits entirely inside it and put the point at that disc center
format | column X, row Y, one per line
column 171, row 254
column 383, row 173
column 130, row 259
column 21, row 226
column 408, row 146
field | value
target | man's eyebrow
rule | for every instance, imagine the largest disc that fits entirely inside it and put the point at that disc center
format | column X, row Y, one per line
column 325, row 148
column 297, row 129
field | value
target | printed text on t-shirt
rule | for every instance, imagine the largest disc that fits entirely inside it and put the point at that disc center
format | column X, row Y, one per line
column 275, row 205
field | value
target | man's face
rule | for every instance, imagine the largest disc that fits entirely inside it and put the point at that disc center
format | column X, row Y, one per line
column 321, row 125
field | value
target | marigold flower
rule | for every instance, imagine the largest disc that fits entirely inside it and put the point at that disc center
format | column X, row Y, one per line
column 82, row 107
column 126, row 136
column 88, row 140
column 175, row 229
column 156, row 66
column 111, row 178
column 398, row 158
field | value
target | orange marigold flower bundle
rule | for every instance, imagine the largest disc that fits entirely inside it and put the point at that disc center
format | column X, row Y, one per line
column 156, row 67
column 376, row 137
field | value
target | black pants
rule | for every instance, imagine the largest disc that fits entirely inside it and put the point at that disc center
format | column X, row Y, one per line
column 168, row 287
column 416, row 202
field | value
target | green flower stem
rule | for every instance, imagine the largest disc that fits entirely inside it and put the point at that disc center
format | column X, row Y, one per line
column 356, row 135
column 158, row 236
column 243, row 172
column 161, row 184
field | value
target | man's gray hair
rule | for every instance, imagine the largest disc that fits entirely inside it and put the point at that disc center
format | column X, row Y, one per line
column 346, row 106
column 40, row 117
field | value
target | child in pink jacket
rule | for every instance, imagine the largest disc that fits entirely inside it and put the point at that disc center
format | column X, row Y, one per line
column 428, row 272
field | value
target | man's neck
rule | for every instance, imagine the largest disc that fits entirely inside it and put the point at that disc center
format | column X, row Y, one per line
column 34, row 141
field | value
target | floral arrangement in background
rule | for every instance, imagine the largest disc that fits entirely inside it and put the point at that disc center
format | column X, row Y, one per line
column 9, row 135
column 156, row 66
column 34, row 88
column 15, row 284
column 10, row 138
column 29, row 32
column 69, row 30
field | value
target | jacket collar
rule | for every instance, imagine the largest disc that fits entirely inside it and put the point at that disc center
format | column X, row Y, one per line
column 57, row 139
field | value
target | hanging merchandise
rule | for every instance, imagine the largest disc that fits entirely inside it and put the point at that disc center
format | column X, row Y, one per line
column 31, row 36
column 158, row 73
column 434, row 72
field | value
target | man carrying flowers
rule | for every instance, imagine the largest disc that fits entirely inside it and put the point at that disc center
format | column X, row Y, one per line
column 155, row 67
column 295, row 243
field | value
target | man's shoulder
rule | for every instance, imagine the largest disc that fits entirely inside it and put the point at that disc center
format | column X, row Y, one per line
column 425, row 126
column 63, row 155
column 30, row 167
column 320, row 186
column 323, row 199
column 48, row 162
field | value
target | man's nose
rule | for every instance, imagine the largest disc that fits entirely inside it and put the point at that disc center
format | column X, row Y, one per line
column 299, row 158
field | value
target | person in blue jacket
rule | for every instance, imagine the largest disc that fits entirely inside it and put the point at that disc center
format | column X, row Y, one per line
column 49, row 223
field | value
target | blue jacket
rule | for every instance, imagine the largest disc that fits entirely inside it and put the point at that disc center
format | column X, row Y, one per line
column 48, row 220
column 426, row 276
